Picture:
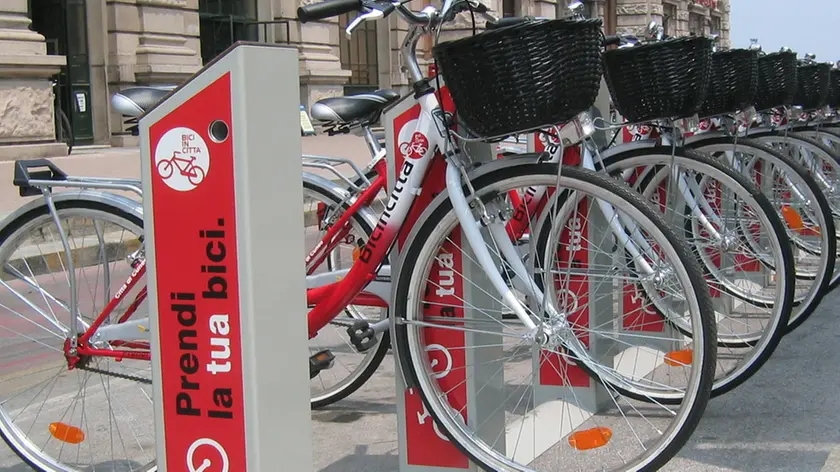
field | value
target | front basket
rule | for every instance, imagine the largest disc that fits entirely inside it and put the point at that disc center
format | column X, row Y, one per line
column 776, row 80
column 666, row 79
column 523, row 77
column 733, row 82
column 812, row 86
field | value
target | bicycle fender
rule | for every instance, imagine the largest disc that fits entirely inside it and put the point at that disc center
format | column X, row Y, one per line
column 340, row 194
column 125, row 204
column 697, row 139
column 624, row 147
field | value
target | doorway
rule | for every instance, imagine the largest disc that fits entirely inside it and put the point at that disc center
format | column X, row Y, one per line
column 64, row 25
column 358, row 55
column 224, row 22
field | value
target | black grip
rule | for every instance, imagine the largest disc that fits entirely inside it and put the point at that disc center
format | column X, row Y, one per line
column 328, row 9
column 612, row 39
column 508, row 21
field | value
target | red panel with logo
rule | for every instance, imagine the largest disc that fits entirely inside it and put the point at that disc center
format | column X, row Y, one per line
column 426, row 444
column 195, row 239
column 639, row 313
column 573, row 290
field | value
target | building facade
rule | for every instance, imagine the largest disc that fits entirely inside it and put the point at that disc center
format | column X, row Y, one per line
column 73, row 54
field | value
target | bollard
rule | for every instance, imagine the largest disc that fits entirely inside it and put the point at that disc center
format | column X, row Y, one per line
column 229, row 343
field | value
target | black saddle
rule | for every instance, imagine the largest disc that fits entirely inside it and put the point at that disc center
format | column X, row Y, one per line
column 135, row 101
column 364, row 108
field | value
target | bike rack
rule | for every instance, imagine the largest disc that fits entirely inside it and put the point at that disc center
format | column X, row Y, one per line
column 332, row 165
column 213, row 263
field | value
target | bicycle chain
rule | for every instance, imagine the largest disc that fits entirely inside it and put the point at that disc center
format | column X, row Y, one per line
column 142, row 380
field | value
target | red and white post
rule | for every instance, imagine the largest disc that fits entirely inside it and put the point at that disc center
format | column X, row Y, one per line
column 229, row 340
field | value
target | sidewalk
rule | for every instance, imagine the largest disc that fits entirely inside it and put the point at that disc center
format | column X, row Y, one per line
column 125, row 163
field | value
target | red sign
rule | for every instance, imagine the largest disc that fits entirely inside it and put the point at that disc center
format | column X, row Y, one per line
column 426, row 444
column 707, row 3
column 573, row 290
column 197, row 275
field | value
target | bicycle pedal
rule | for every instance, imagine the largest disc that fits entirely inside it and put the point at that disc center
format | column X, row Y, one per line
column 320, row 361
column 362, row 335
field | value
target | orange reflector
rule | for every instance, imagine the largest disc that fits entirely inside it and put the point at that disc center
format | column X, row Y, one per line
column 66, row 433
column 679, row 358
column 357, row 251
column 590, row 438
column 792, row 218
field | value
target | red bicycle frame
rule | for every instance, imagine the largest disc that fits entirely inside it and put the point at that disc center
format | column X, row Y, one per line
column 141, row 349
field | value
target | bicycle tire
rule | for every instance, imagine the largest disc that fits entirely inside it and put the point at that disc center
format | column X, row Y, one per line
column 384, row 344
column 719, row 144
column 411, row 357
column 9, row 231
column 705, row 165
column 767, row 136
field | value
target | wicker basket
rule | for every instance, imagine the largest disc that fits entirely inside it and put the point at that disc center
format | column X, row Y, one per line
column 834, row 89
column 666, row 79
column 812, row 83
column 776, row 80
column 523, row 77
column 733, row 82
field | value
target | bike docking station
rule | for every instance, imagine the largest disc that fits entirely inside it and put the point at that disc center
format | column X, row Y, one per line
column 470, row 378
column 228, row 342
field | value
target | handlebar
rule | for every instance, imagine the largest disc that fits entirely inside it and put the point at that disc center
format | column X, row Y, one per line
column 377, row 9
column 327, row 9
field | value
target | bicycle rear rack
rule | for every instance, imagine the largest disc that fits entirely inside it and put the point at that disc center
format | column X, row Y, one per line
column 332, row 164
column 36, row 182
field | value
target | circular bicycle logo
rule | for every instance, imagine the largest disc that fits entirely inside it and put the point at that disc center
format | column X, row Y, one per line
column 182, row 159
column 214, row 455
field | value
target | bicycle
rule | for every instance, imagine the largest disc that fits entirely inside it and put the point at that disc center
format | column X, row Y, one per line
column 670, row 271
column 775, row 304
column 186, row 168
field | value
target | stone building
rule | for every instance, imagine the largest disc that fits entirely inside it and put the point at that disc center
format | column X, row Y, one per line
column 73, row 54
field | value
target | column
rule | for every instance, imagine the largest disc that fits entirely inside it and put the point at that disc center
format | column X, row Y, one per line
column 724, row 7
column 26, row 98
column 633, row 16
column 682, row 18
column 150, row 42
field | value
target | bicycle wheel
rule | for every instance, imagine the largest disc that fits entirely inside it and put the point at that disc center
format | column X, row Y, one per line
column 352, row 367
column 165, row 168
column 736, row 235
column 828, row 137
column 66, row 131
column 797, row 197
column 570, row 398
column 98, row 415
column 822, row 165
column 196, row 175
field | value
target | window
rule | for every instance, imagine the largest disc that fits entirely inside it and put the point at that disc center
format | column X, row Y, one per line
column 359, row 55
column 508, row 7
column 695, row 24
column 669, row 18
column 223, row 22
column 716, row 25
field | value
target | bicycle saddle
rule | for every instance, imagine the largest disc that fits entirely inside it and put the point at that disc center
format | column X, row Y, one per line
column 135, row 101
column 351, row 108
